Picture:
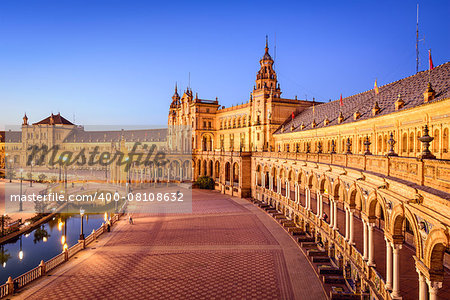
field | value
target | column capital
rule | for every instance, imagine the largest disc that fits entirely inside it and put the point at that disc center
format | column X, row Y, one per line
column 421, row 275
column 396, row 247
column 434, row 285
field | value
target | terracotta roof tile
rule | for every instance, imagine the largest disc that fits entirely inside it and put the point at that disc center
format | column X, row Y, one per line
column 410, row 88
column 57, row 119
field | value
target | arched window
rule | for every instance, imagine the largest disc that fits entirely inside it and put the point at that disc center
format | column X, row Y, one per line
column 445, row 140
column 418, row 143
column 405, row 142
column 411, row 142
column 436, row 141
column 380, row 144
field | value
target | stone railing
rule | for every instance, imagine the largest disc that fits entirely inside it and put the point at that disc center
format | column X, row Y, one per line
column 433, row 173
column 349, row 252
column 12, row 285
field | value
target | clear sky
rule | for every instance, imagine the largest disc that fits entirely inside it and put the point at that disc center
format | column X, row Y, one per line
column 116, row 62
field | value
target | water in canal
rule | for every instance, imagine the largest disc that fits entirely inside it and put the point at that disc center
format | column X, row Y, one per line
column 43, row 243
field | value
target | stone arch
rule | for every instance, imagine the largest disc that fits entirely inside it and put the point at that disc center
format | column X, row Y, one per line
column 311, row 181
column 207, row 142
column 355, row 197
column 374, row 200
column 339, row 192
column 227, row 172
column 217, row 169
column 436, row 244
column 399, row 215
column 210, row 171
column 324, row 185
column 301, row 178
column 291, row 176
column 204, row 166
column 236, row 177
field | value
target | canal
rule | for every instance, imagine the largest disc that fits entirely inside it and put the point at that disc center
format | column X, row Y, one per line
column 21, row 255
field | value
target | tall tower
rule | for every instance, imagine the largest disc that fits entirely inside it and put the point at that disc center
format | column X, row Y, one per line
column 173, row 107
column 266, row 78
column 266, row 90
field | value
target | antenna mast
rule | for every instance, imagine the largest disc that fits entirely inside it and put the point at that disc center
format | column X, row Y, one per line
column 417, row 40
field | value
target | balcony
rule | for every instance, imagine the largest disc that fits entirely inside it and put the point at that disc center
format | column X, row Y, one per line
column 433, row 173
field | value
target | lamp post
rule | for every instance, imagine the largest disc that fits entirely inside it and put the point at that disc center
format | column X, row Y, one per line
column 10, row 169
column 64, row 159
column 31, row 172
column 20, row 199
column 82, row 232
column 105, row 156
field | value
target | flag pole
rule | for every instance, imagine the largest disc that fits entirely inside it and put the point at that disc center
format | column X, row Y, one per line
column 417, row 40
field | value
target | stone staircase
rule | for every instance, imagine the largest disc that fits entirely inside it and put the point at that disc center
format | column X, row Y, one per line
column 331, row 276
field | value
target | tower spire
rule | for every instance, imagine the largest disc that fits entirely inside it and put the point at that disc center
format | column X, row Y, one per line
column 267, row 44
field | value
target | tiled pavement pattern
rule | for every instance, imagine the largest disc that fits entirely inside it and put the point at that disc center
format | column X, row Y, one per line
column 226, row 249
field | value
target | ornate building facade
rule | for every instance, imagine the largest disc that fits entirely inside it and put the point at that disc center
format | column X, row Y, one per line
column 366, row 177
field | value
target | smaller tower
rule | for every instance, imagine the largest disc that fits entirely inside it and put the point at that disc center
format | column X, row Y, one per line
column 175, row 97
column 25, row 119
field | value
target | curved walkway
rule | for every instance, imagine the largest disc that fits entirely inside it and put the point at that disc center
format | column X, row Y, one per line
column 227, row 248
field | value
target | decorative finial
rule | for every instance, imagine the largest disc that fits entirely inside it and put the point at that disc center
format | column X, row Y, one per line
column 25, row 119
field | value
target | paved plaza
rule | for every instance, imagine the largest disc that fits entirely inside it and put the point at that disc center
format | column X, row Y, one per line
column 226, row 249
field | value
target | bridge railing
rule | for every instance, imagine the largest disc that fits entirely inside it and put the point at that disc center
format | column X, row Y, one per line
column 3, row 290
column 13, row 285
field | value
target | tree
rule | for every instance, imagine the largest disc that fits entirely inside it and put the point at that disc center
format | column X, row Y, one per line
column 205, row 182
column 42, row 177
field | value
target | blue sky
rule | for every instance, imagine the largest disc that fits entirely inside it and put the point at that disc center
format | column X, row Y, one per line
column 116, row 62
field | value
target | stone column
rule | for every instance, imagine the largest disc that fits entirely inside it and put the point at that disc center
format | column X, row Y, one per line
column 350, row 212
column 288, row 189
column 321, row 204
column 256, row 178
column 423, row 292
column 308, row 198
column 335, row 215
column 388, row 264
column 396, row 271
column 270, row 182
column 318, row 203
column 296, row 192
column 371, row 245
column 278, row 185
column 433, row 288
column 346, row 224
column 364, row 239
column 331, row 201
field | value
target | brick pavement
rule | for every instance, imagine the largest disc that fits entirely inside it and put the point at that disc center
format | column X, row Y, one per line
column 226, row 249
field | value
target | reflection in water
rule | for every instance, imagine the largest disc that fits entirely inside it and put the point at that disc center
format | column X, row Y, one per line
column 40, row 234
column 4, row 256
column 48, row 240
